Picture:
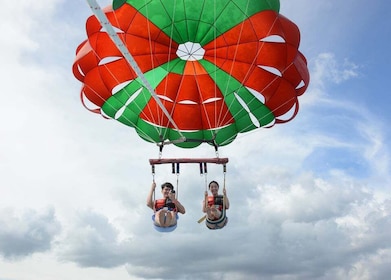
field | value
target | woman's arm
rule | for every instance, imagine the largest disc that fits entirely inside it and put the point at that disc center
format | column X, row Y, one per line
column 150, row 196
column 226, row 200
column 205, row 202
column 179, row 206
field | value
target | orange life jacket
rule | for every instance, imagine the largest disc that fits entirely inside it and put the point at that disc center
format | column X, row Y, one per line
column 163, row 202
column 216, row 200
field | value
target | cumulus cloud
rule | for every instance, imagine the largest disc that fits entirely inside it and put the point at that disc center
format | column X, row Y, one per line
column 309, row 229
column 327, row 71
column 25, row 234
column 305, row 199
column 93, row 241
column 330, row 69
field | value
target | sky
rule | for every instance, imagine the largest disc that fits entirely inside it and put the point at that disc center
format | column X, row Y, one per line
column 310, row 199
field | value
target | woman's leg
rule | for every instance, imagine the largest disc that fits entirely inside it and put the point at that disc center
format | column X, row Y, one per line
column 158, row 215
column 213, row 213
column 172, row 218
column 161, row 218
column 165, row 218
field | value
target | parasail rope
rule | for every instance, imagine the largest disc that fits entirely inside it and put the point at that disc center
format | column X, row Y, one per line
column 169, row 54
column 101, row 16
column 203, row 170
column 153, row 180
column 158, row 118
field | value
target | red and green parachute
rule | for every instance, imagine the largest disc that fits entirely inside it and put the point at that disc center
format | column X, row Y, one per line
column 219, row 68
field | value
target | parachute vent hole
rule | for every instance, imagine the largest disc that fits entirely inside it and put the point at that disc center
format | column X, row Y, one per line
column 80, row 70
column 109, row 59
column 190, row 51
column 88, row 104
column 302, row 84
column 211, row 100
column 132, row 97
column 288, row 115
column 187, row 102
column 272, row 70
column 245, row 107
column 119, row 113
column 105, row 115
column 163, row 97
column 120, row 86
column 273, row 39
column 257, row 95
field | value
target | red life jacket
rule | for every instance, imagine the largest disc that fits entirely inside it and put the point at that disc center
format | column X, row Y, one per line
column 216, row 200
column 163, row 202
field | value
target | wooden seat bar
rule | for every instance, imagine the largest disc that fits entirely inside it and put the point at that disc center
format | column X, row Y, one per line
column 188, row 160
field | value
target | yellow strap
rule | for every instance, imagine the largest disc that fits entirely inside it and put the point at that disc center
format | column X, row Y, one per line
column 202, row 219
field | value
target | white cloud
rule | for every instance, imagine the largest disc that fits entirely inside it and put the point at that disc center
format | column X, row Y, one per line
column 327, row 68
column 93, row 242
column 28, row 233
column 308, row 199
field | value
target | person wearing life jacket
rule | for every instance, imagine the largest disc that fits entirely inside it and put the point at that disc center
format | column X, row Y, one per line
column 213, row 206
column 167, row 207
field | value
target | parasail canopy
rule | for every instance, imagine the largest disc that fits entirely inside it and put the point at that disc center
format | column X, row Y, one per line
column 210, row 68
